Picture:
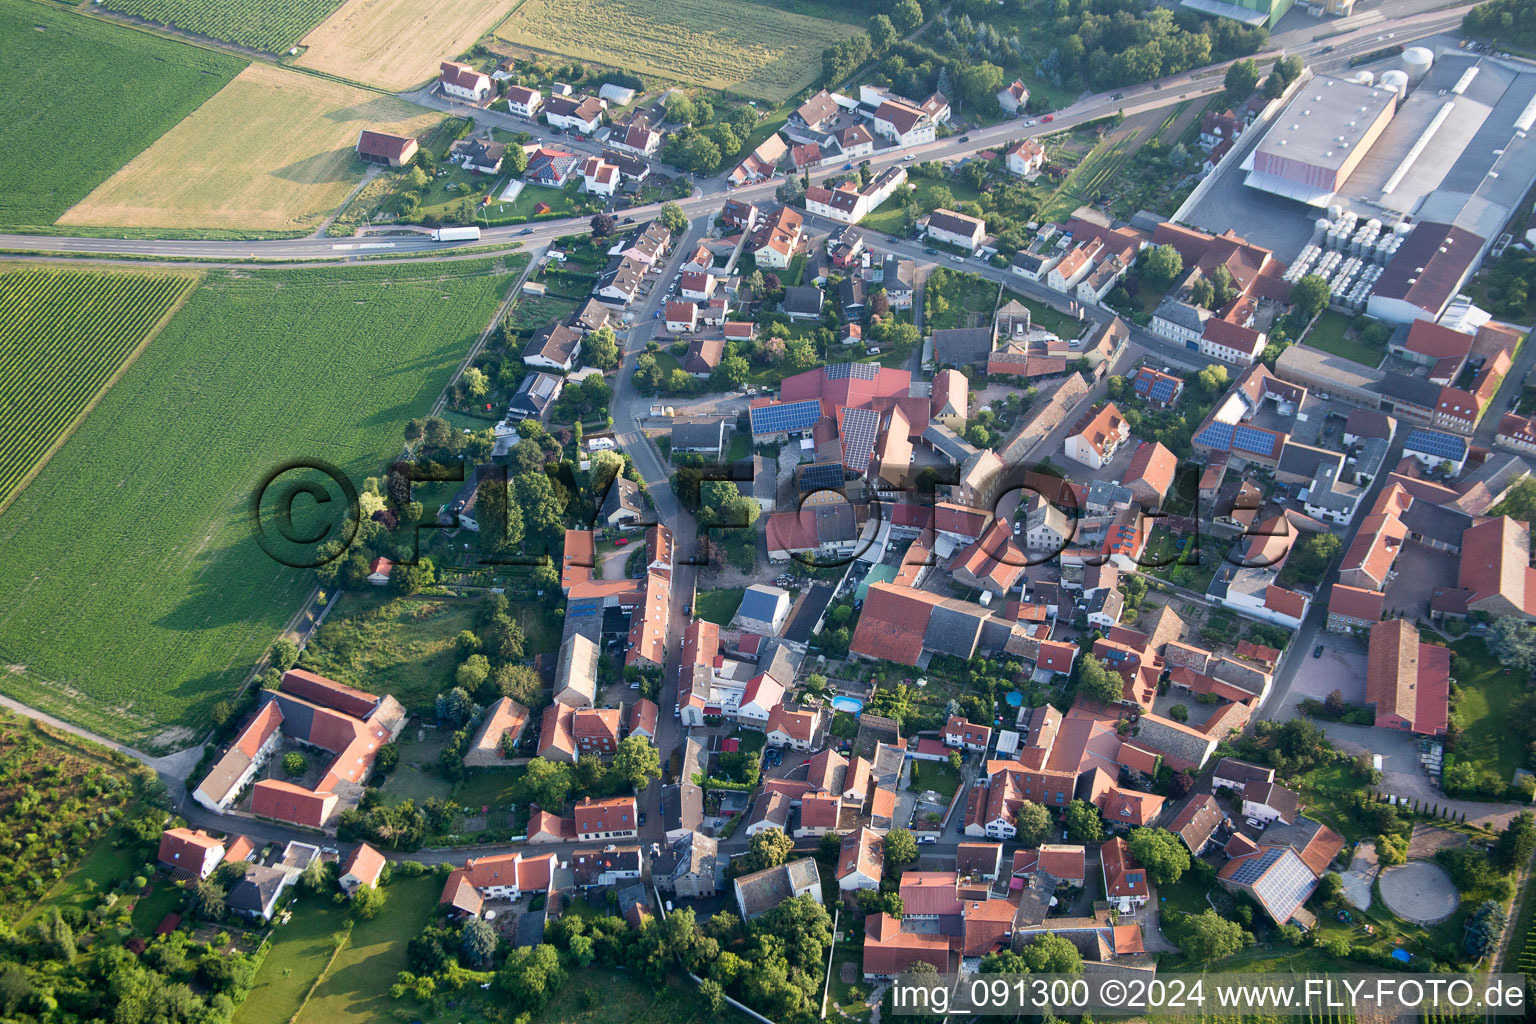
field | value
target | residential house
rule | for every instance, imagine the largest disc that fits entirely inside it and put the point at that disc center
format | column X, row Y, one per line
column 523, row 101
column 550, row 167
column 599, row 177
column 1097, row 436
column 1196, row 824
column 903, row 124
column 611, row 818
column 1125, row 881
column 958, row 732
column 362, row 869
column 861, row 861
column 605, row 867
column 508, row 876
column 579, row 114
column 623, row 507
column 504, row 723
column 687, row 866
column 761, row 891
column 553, row 347
column 1012, row 98
column 793, row 728
column 955, row 228
column 465, row 83
column 194, row 853
column 1025, row 158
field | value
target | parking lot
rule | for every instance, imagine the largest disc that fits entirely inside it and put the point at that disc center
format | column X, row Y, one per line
column 1341, row 667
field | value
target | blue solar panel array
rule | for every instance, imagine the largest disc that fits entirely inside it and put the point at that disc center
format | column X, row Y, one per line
column 859, row 429
column 785, row 417
column 1163, row 390
column 822, row 476
column 1251, row 439
column 1433, row 442
column 853, row 371
column 1217, row 435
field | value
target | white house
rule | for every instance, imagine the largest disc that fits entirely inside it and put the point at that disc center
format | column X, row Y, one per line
column 682, row 317
column 463, row 82
column 791, row 728
column 956, row 228
column 195, row 852
column 1231, row 343
column 1013, row 98
column 523, row 100
column 762, row 695
column 1075, row 265
column 903, row 124
column 573, row 114
column 1097, row 436
column 1026, row 158
column 861, row 861
column 599, row 177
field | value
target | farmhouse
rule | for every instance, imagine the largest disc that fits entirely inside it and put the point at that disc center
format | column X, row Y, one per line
column 385, row 149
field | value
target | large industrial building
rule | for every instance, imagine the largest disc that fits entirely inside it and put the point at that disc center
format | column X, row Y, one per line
column 1319, row 139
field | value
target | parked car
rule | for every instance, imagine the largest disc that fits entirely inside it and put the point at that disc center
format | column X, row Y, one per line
column 958, row 259
column 1317, row 652
column 924, row 840
column 964, row 138
column 621, row 542
column 907, row 157
column 642, row 819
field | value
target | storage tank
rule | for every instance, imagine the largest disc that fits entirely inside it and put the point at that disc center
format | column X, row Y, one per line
column 1395, row 81
column 1320, row 230
column 1363, row 78
column 1417, row 60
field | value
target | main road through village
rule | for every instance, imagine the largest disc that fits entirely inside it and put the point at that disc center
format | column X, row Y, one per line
column 1363, row 33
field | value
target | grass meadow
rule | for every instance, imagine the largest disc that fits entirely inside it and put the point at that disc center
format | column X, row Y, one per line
column 65, row 336
column 272, row 151
column 271, row 26
column 736, row 45
column 133, row 593
column 395, row 44
column 66, row 129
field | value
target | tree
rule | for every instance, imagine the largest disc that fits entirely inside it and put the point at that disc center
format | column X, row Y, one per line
column 673, row 218
column 531, row 975
column 1097, row 681
column 900, row 847
column 411, row 579
column 1513, row 643
column 1242, row 78
column 1208, row 937
column 979, row 83
column 907, row 16
column 1161, row 265
column 955, row 760
column 548, row 783
column 768, row 849
column 294, row 763
column 731, row 374
column 875, row 901
column 1309, row 297
column 479, row 944
column 1516, row 842
column 603, row 225
column 1049, row 953
column 881, row 33
column 1033, row 823
column 206, row 900
column 55, row 937
column 600, row 348
column 475, row 670
column 1484, row 928
column 366, row 902
column 1161, row 852
column 285, row 653
column 713, row 995
column 1202, row 292
column 476, row 384
column 1083, row 822
column 1391, row 849
column 637, row 761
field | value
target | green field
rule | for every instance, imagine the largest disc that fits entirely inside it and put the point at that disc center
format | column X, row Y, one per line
column 387, row 644
column 268, row 25
column 133, row 593
column 64, row 337
column 718, row 606
column 296, row 956
column 1488, row 690
column 65, row 130
column 356, row 988
column 1329, row 332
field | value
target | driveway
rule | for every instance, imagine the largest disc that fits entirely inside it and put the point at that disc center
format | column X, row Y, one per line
column 1416, row 574
column 1341, row 667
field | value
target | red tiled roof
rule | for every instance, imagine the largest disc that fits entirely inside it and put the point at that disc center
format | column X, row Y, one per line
column 1356, row 603
column 1122, row 875
column 328, row 693
column 184, row 848
column 1286, row 602
column 1154, row 465
column 889, row 950
column 284, row 801
column 616, row 814
column 365, row 864
column 929, row 892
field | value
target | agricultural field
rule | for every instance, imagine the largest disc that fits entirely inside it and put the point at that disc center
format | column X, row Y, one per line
column 65, row 336
column 737, row 45
column 397, row 44
column 47, row 167
column 270, row 26
column 133, row 594
column 272, row 151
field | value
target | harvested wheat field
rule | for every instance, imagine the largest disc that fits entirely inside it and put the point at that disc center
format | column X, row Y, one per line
column 271, row 151
column 745, row 47
column 396, row 44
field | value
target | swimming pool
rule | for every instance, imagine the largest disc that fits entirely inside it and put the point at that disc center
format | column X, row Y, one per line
column 852, row 705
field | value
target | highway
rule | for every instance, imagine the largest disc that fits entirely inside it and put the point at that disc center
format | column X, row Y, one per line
column 710, row 192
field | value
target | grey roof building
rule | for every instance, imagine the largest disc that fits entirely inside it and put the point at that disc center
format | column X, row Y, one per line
column 947, row 443
column 961, row 346
column 623, row 503
column 762, row 891
column 802, row 302
column 535, row 396
column 704, row 435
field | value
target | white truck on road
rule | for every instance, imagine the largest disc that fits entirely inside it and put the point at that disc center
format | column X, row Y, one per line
column 470, row 234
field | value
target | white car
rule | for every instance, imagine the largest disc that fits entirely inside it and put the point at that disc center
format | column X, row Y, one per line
column 958, row 259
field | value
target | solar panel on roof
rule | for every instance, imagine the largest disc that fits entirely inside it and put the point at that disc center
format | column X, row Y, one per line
column 1162, row 390
column 1251, row 439
column 853, row 371
column 859, row 429
column 1433, row 442
column 1217, row 435
column 822, row 476
column 785, row 417
column 1252, row 869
